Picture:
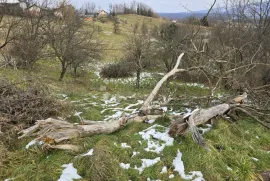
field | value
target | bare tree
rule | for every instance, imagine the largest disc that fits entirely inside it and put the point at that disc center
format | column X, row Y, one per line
column 86, row 48
column 138, row 50
column 71, row 44
column 29, row 42
column 171, row 40
column 7, row 24
column 89, row 8
column 116, row 27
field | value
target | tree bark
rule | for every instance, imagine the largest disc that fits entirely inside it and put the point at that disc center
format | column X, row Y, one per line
column 75, row 72
column 63, row 71
column 138, row 73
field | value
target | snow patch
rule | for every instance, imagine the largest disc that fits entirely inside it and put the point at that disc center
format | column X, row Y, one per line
column 165, row 109
column 164, row 170
column 69, row 173
column 125, row 145
column 33, row 142
column 9, row 179
column 204, row 130
column 156, row 140
column 148, row 179
column 171, row 176
column 179, row 167
column 229, row 168
column 89, row 153
column 255, row 159
column 118, row 114
column 135, row 153
column 151, row 121
column 147, row 163
column 125, row 166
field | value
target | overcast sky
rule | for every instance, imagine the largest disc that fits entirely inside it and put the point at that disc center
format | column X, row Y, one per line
column 170, row 6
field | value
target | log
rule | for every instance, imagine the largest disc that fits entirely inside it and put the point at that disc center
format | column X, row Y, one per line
column 197, row 117
column 56, row 130
column 60, row 130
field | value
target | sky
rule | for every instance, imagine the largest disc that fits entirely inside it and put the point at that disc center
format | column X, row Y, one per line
column 164, row 6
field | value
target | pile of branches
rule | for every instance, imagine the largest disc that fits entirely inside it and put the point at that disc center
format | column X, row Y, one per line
column 25, row 102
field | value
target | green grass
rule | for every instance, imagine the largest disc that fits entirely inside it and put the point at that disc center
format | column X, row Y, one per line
column 237, row 149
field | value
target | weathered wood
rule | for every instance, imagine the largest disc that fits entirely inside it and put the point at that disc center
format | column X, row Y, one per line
column 201, row 116
column 154, row 92
column 59, row 130
column 197, row 117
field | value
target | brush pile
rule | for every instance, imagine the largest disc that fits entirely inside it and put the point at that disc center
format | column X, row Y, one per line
column 25, row 102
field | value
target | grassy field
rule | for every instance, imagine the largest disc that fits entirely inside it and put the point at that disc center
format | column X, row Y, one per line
column 239, row 151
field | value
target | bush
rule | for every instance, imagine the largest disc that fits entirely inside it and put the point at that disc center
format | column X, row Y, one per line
column 117, row 70
column 103, row 19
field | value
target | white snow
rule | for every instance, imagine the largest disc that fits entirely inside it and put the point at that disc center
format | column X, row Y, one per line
column 165, row 109
column 112, row 100
column 135, row 153
column 151, row 121
column 148, row 179
column 159, row 141
column 125, row 145
column 229, row 168
column 257, row 137
column 9, row 179
column 171, row 176
column 255, row 159
column 204, row 130
column 179, row 167
column 69, row 173
column 194, row 85
column 208, row 125
column 147, row 163
column 33, row 142
column 125, row 166
column 164, row 170
column 89, row 153
column 118, row 114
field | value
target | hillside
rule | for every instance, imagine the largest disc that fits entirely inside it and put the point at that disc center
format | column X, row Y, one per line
column 115, row 42
column 138, row 151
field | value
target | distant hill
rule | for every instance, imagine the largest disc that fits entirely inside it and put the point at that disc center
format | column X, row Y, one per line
column 182, row 15
column 201, row 13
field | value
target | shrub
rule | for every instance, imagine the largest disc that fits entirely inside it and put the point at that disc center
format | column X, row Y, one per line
column 103, row 19
column 117, row 70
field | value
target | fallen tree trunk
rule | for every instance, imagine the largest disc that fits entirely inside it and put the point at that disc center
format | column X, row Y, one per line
column 197, row 117
column 55, row 130
column 59, row 130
